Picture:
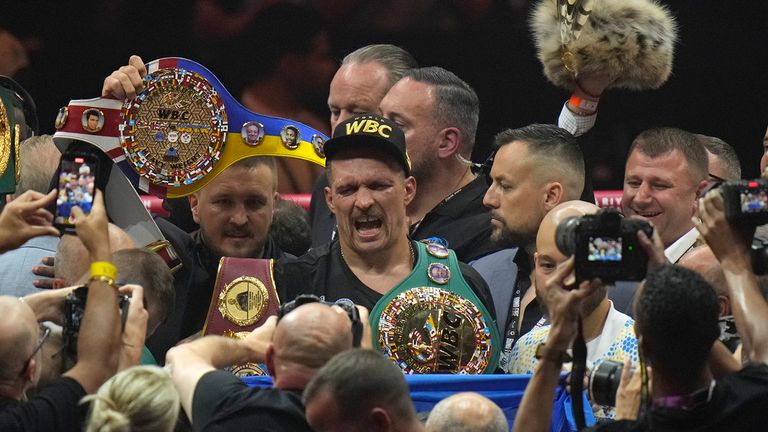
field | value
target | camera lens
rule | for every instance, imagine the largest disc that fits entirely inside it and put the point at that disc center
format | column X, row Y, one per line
column 565, row 235
column 604, row 382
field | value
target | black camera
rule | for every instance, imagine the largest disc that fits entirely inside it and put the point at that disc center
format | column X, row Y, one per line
column 604, row 382
column 746, row 201
column 605, row 246
column 344, row 304
column 74, row 311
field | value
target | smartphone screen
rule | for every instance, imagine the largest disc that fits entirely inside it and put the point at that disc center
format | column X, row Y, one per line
column 77, row 179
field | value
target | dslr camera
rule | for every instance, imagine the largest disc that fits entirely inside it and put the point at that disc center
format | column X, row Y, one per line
column 604, row 382
column 605, row 246
column 74, row 311
column 746, row 201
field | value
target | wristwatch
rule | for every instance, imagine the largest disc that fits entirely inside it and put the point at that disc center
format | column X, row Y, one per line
column 555, row 355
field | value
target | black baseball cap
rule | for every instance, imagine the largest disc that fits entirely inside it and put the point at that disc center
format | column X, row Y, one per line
column 372, row 131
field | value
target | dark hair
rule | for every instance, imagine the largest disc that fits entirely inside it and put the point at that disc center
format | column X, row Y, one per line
column 395, row 60
column 146, row 268
column 660, row 141
column 90, row 113
column 556, row 146
column 290, row 227
column 456, row 103
column 724, row 151
column 359, row 380
column 676, row 315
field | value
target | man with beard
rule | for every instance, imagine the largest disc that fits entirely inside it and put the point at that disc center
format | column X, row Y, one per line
column 438, row 112
column 608, row 333
column 535, row 168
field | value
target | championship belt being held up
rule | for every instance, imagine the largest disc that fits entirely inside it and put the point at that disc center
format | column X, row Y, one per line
column 244, row 296
column 183, row 130
column 433, row 322
column 631, row 42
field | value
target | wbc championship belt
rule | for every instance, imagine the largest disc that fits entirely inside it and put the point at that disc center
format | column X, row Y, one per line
column 244, row 296
column 433, row 322
column 183, row 130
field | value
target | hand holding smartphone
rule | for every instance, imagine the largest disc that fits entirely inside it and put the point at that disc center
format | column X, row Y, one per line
column 76, row 187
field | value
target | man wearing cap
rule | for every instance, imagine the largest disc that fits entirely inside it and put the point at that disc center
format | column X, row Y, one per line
column 370, row 187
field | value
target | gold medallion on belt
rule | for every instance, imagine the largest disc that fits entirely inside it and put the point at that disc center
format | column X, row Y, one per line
column 434, row 330
column 244, row 300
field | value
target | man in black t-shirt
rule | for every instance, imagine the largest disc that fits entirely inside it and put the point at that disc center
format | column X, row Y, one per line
column 301, row 343
column 696, row 385
column 370, row 188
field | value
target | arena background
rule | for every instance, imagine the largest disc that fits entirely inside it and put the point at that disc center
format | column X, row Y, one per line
column 719, row 84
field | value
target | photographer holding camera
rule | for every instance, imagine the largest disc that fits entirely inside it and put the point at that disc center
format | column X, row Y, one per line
column 688, row 392
column 609, row 334
column 57, row 407
column 294, row 348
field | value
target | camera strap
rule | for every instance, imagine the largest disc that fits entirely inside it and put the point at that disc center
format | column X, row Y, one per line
column 578, row 369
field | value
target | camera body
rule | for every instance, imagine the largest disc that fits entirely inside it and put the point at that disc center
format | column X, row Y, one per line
column 605, row 246
column 746, row 201
column 74, row 311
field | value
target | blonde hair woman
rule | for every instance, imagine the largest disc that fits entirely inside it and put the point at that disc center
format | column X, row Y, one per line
column 141, row 398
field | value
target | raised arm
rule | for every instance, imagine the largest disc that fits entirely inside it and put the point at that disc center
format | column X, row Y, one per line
column 99, row 340
column 731, row 244
column 535, row 412
column 190, row 361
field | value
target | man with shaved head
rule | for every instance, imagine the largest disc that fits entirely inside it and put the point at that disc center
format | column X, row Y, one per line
column 608, row 332
column 19, row 333
column 702, row 260
column 466, row 412
column 301, row 343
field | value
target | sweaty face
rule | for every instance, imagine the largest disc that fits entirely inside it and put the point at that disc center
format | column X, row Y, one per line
column 356, row 89
column 410, row 105
column 235, row 211
column 662, row 191
column 368, row 197
column 515, row 197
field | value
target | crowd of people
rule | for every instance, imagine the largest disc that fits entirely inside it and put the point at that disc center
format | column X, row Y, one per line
column 399, row 208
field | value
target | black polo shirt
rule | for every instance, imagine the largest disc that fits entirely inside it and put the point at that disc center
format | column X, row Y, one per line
column 56, row 408
column 461, row 220
column 222, row 402
column 323, row 272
